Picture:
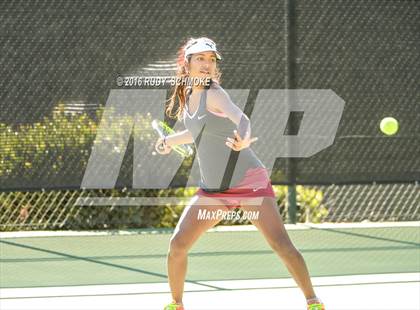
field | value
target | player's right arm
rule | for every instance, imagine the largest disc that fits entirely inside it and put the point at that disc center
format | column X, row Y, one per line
column 182, row 137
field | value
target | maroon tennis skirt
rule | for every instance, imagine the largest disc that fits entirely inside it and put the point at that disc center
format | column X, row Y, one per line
column 256, row 183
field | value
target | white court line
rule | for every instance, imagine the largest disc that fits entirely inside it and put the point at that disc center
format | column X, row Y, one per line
column 148, row 288
column 391, row 296
column 91, row 290
column 318, row 281
column 233, row 228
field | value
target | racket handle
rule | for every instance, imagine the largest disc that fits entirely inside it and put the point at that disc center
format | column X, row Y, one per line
column 161, row 147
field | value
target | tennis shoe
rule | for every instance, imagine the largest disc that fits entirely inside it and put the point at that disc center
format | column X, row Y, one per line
column 317, row 306
column 173, row 306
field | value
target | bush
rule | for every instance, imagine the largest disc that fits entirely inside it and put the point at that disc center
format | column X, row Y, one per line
column 59, row 146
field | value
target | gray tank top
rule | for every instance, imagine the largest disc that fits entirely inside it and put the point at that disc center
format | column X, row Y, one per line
column 221, row 167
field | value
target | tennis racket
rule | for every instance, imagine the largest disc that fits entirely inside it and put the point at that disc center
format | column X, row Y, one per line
column 164, row 130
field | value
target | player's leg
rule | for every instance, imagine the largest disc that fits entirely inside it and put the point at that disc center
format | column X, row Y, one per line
column 189, row 228
column 270, row 224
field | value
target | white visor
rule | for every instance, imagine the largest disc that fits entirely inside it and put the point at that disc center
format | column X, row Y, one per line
column 201, row 45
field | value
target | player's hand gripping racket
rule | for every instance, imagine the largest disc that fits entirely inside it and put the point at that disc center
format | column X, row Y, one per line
column 164, row 130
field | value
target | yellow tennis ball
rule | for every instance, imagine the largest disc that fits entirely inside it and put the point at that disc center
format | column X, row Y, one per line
column 389, row 126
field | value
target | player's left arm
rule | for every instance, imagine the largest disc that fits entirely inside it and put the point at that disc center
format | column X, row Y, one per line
column 219, row 100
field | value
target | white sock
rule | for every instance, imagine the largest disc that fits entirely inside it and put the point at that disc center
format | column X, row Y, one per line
column 313, row 300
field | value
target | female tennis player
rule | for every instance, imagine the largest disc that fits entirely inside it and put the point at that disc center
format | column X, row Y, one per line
column 217, row 126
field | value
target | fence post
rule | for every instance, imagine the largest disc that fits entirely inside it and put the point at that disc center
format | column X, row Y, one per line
column 290, row 82
column 291, row 204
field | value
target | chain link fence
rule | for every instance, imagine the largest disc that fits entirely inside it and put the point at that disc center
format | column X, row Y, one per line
column 56, row 210
column 60, row 61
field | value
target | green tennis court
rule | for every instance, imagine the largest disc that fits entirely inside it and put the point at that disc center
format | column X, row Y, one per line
column 130, row 265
